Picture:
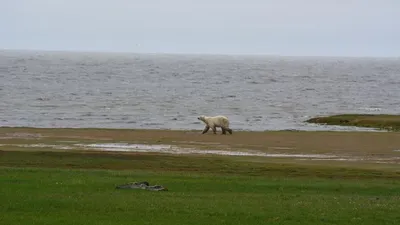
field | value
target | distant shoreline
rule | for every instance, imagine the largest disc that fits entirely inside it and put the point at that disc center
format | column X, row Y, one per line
column 378, row 121
column 193, row 54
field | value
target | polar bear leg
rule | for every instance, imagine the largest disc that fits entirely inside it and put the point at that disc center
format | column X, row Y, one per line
column 205, row 129
column 223, row 130
column 214, row 129
column 226, row 129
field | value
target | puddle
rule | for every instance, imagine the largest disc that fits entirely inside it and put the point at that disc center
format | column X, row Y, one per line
column 392, row 160
column 87, row 137
column 22, row 135
column 43, row 146
column 198, row 142
column 171, row 149
column 67, row 141
column 124, row 147
column 397, row 150
column 177, row 150
column 281, row 148
column 127, row 147
column 335, row 159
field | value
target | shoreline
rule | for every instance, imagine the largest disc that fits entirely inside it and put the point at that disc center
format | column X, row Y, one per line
column 333, row 123
column 357, row 129
column 388, row 122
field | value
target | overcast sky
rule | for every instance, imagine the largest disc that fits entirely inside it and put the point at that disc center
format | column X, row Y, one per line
column 283, row 27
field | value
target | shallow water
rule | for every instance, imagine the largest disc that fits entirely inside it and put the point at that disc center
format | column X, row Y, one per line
column 177, row 150
column 171, row 149
column 56, row 89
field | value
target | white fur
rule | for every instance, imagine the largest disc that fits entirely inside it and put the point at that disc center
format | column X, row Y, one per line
column 215, row 121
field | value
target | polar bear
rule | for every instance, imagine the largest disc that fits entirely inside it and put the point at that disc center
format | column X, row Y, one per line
column 215, row 121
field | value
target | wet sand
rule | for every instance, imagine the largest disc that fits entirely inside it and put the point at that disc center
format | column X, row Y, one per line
column 356, row 144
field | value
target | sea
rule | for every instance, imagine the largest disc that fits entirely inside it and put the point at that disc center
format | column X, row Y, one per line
column 169, row 91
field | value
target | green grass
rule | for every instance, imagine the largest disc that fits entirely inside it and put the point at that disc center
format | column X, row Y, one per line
column 79, row 188
column 62, row 196
column 380, row 121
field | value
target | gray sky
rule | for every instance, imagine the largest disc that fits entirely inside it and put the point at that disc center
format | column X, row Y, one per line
column 283, row 27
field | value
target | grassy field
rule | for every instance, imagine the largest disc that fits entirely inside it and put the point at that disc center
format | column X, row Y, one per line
column 40, row 184
column 380, row 121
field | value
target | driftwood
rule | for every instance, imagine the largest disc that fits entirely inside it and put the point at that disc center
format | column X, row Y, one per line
column 142, row 185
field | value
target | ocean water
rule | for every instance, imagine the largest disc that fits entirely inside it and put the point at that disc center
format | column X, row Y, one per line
column 118, row 90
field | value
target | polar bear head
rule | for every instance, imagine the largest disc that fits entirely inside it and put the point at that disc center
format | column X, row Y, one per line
column 202, row 118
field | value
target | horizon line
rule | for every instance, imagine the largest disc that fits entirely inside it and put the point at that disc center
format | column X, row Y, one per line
column 191, row 53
